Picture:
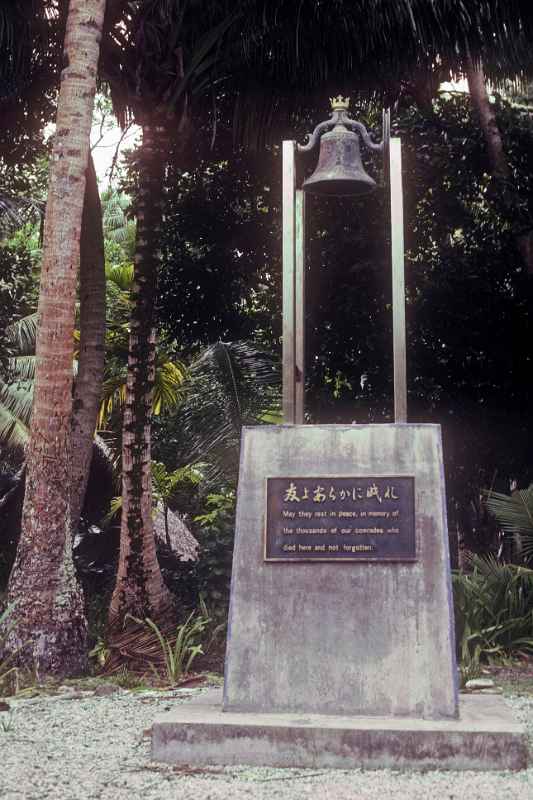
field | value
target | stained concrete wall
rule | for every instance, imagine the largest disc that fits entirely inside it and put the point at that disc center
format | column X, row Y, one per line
column 337, row 637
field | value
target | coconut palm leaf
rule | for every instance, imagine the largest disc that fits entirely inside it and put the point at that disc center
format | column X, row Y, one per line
column 119, row 277
column 514, row 514
column 231, row 384
column 292, row 50
column 168, row 388
column 113, row 397
column 17, row 398
column 16, row 388
column 116, row 224
column 15, row 413
column 23, row 333
column 22, row 368
column 17, row 211
column 202, row 58
column 165, row 483
column 14, row 434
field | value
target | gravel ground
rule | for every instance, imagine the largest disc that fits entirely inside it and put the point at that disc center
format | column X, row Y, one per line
column 76, row 746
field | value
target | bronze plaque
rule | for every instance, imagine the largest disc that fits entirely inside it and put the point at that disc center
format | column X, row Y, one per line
column 340, row 519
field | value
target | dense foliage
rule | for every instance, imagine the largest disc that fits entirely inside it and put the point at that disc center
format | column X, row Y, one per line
column 493, row 612
column 16, row 294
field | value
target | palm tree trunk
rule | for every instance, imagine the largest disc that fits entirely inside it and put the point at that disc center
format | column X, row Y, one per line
column 140, row 589
column 51, row 625
column 88, row 384
column 495, row 149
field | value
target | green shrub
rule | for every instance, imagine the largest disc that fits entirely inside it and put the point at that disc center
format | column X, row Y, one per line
column 178, row 652
column 493, row 612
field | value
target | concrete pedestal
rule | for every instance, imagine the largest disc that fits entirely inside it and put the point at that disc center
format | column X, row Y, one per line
column 485, row 737
column 364, row 638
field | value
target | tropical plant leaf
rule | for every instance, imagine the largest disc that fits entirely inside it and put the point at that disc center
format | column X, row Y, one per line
column 168, row 384
column 23, row 333
column 168, row 388
column 22, row 368
column 14, row 434
column 15, row 212
column 17, row 398
column 493, row 609
column 514, row 514
column 119, row 276
column 231, row 384
column 199, row 61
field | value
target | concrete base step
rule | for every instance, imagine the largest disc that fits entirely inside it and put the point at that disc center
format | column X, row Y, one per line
column 485, row 737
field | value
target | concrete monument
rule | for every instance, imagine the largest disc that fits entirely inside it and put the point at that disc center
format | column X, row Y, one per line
column 341, row 648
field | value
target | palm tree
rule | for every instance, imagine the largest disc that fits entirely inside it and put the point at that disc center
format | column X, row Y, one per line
column 16, row 395
column 158, row 52
column 51, row 628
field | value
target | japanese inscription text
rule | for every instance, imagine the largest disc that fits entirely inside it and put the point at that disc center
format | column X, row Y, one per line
column 340, row 518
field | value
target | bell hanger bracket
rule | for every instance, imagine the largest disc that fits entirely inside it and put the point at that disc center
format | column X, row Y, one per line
column 339, row 116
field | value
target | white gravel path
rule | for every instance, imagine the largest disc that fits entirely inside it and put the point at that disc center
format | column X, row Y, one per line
column 82, row 747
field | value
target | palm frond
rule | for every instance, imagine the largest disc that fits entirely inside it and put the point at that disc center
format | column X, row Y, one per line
column 109, row 448
column 168, row 388
column 168, row 385
column 201, row 60
column 514, row 514
column 113, row 397
column 120, row 276
column 231, row 384
column 22, row 334
column 115, row 506
column 15, row 212
column 22, row 368
column 14, row 434
column 296, row 54
column 15, row 413
column 117, row 226
column 16, row 399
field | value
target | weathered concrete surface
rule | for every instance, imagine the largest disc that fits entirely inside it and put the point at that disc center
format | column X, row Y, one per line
column 486, row 737
column 342, row 638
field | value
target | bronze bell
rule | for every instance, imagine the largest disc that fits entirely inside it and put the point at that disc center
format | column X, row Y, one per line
column 339, row 170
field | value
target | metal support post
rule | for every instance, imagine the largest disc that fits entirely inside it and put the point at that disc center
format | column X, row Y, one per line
column 289, row 232
column 299, row 307
column 398, row 282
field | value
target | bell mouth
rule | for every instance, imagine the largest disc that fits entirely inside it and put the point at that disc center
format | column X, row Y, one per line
column 339, row 187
